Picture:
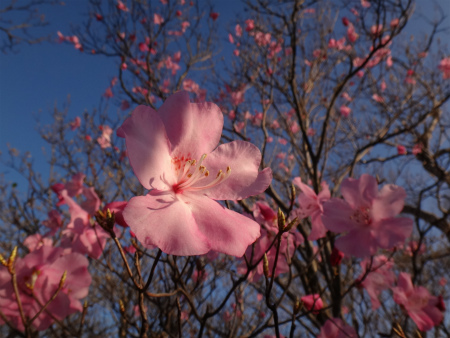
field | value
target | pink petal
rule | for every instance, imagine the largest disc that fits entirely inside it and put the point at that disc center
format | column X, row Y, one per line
column 193, row 129
column 226, row 230
column 318, row 230
column 392, row 231
column 148, row 147
column 336, row 216
column 359, row 192
column 306, row 190
column 167, row 222
column 389, row 202
column 243, row 158
column 359, row 243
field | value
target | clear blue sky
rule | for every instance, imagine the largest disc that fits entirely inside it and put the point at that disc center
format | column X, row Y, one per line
column 40, row 76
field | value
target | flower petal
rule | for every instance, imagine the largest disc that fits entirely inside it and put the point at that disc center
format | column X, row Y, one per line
column 193, row 129
column 167, row 222
column 243, row 158
column 389, row 202
column 336, row 216
column 360, row 192
column 393, row 231
column 148, row 148
column 359, row 243
column 226, row 230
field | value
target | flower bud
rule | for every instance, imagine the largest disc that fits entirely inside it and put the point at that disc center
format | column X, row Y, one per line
column 281, row 220
column 266, row 266
column 11, row 260
column 63, row 279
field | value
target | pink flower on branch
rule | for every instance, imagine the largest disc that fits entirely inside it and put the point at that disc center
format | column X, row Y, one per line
column 423, row 308
column 367, row 217
column 173, row 154
column 444, row 66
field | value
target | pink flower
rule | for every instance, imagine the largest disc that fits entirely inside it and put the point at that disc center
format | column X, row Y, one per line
column 395, row 22
column 417, row 149
column 121, row 6
column 336, row 257
column 168, row 151
column 108, row 93
column 79, row 234
column 105, row 139
column 367, row 216
column 401, row 150
column 238, row 30
column 214, row 16
column 422, row 307
column 444, row 67
column 336, row 328
column 41, row 271
column 365, row 3
column 379, row 278
column 311, row 205
column 345, row 111
column 351, row 34
column 313, row 303
column 378, row 98
column 249, row 25
column 157, row 19
column 265, row 216
column 76, row 123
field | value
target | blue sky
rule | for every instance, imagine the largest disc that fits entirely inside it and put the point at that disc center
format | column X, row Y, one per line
column 38, row 77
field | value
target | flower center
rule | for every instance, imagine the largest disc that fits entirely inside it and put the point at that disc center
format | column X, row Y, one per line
column 362, row 216
column 190, row 173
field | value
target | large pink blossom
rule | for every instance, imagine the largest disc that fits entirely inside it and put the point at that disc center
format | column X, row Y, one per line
column 39, row 273
column 173, row 154
column 311, row 205
column 422, row 307
column 366, row 216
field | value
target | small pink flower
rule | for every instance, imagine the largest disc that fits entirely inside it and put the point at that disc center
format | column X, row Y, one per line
column 105, row 139
column 336, row 257
column 311, row 205
column 351, row 33
column 157, row 19
column 423, row 308
column 76, row 123
column 395, row 22
column 313, row 303
column 365, row 3
column 401, row 150
column 378, row 98
column 168, row 151
column 367, row 217
column 249, row 25
column 121, row 6
column 108, row 93
column 214, row 16
column 345, row 111
column 417, row 149
column 238, row 30
column 99, row 17
column 444, row 67
column 345, row 21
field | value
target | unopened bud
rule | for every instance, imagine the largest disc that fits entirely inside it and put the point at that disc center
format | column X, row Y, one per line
column 63, row 279
column 11, row 260
column 291, row 225
column 266, row 266
column 281, row 220
column 3, row 261
column 294, row 192
column 297, row 306
column 121, row 306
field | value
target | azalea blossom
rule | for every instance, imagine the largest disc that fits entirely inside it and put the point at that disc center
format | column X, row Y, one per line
column 423, row 308
column 366, row 216
column 313, row 303
column 267, row 217
column 173, row 154
column 311, row 205
column 444, row 66
column 38, row 277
